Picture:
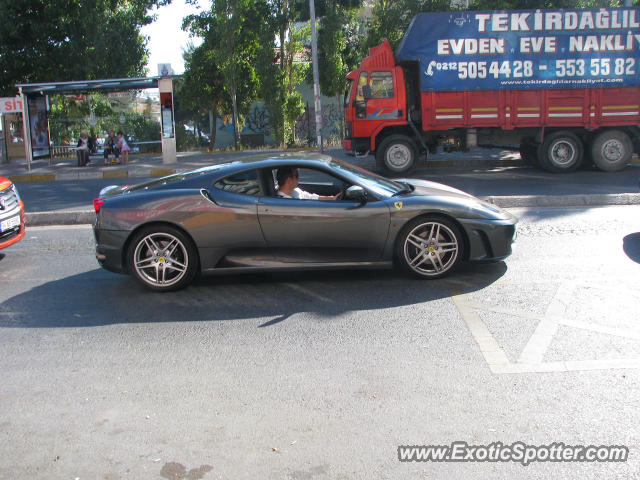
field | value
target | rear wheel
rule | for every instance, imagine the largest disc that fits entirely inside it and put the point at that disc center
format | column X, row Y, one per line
column 396, row 154
column 162, row 258
column 429, row 247
column 611, row 150
column 561, row 152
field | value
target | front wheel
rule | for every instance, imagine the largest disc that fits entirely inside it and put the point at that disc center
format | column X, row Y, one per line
column 429, row 247
column 162, row 259
column 396, row 154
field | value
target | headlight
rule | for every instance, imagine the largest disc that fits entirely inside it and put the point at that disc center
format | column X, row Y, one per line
column 489, row 210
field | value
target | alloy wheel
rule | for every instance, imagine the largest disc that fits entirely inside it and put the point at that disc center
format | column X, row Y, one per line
column 431, row 249
column 161, row 259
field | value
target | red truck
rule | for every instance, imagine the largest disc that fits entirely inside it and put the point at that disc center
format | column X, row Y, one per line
column 562, row 86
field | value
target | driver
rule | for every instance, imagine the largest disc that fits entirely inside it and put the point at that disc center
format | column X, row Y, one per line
column 288, row 186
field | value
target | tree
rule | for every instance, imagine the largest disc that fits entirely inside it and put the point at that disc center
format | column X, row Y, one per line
column 232, row 45
column 64, row 40
column 283, row 42
column 201, row 89
column 391, row 18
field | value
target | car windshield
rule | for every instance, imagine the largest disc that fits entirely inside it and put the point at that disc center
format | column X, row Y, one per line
column 379, row 185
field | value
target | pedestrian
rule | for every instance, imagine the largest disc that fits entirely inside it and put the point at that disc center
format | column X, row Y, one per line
column 83, row 149
column 111, row 147
column 123, row 146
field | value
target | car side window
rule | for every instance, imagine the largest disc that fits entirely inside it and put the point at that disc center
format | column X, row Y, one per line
column 245, row 183
column 314, row 181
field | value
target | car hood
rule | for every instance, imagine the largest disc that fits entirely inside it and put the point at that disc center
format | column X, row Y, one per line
column 474, row 205
column 427, row 187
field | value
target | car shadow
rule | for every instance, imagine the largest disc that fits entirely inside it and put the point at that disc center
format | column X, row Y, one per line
column 631, row 246
column 98, row 298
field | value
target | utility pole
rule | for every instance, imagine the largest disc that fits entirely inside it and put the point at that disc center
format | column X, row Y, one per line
column 316, row 76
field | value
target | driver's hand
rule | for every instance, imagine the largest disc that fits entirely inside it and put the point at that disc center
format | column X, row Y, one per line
column 337, row 196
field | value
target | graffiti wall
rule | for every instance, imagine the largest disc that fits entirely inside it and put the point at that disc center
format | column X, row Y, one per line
column 256, row 130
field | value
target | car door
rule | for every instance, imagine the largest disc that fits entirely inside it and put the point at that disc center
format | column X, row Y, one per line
column 326, row 231
column 231, row 218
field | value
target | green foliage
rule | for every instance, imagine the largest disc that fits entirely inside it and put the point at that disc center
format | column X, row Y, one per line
column 281, row 44
column 293, row 108
column 63, row 40
column 185, row 139
column 391, row 18
column 231, row 32
column 340, row 40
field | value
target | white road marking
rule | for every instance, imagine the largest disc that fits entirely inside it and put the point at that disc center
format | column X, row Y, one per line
column 539, row 342
column 530, row 360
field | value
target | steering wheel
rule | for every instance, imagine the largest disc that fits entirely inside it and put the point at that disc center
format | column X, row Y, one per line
column 343, row 191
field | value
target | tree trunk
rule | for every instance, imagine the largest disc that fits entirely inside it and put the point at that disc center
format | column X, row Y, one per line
column 341, row 117
column 213, row 126
column 235, row 116
column 283, row 97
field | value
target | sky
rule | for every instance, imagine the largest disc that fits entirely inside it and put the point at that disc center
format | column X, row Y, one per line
column 166, row 38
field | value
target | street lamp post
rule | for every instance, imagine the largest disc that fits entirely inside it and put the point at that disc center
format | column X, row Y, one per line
column 316, row 79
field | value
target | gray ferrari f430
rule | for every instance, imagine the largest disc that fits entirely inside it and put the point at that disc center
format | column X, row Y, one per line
column 235, row 217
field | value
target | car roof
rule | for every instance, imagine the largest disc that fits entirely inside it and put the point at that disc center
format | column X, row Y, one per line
column 271, row 161
column 216, row 171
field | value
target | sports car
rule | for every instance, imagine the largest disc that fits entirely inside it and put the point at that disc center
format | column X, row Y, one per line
column 229, row 218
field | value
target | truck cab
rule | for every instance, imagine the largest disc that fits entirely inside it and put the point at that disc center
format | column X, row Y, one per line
column 375, row 101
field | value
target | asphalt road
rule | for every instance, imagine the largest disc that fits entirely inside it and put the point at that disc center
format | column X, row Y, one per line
column 322, row 375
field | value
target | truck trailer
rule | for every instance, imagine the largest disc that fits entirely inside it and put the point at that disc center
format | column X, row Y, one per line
column 562, row 86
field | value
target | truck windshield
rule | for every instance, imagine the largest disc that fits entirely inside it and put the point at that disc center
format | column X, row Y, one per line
column 347, row 93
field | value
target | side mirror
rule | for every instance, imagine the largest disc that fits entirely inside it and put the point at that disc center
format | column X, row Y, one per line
column 356, row 193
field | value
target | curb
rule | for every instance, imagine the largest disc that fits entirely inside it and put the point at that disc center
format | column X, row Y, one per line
column 112, row 174
column 594, row 200
column 82, row 217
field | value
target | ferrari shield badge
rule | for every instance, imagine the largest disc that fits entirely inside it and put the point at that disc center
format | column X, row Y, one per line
column 398, row 205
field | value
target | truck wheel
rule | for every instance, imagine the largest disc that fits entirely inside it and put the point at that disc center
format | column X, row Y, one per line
column 561, row 152
column 611, row 150
column 396, row 154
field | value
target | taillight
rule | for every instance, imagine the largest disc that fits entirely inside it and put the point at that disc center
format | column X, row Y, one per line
column 97, row 203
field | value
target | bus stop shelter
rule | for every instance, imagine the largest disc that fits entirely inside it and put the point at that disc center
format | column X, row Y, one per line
column 35, row 118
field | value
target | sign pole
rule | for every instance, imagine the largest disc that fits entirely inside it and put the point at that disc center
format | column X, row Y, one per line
column 26, row 127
